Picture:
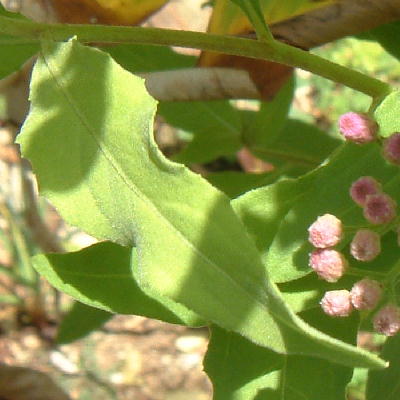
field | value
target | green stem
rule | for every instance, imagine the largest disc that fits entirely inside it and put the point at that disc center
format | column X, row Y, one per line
column 271, row 51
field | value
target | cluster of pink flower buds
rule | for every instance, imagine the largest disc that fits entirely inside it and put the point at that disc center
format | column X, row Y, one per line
column 324, row 233
column 378, row 207
column 364, row 295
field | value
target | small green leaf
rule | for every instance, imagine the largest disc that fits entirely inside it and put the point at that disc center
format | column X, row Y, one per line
column 215, row 125
column 146, row 58
column 299, row 144
column 387, row 114
column 386, row 35
column 235, row 183
column 14, row 51
column 385, row 384
column 89, row 139
column 79, row 322
column 266, row 125
column 102, row 276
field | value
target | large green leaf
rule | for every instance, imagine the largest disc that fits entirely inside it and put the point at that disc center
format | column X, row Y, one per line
column 103, row 276
column 240, row 370
column 80, row 321
column 292, row 206
column 385, row 384
column 89, row 139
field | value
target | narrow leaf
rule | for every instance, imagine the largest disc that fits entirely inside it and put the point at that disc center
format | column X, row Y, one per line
column 89, row 139
column 215, row 126
column 102, row 276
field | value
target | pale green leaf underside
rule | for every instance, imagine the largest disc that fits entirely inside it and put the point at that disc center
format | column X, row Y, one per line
column 89, row 138
column 387, row 115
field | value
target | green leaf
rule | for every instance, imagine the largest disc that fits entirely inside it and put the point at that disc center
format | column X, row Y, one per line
column 96, row 160
column 235, row 183
column 254, row 12
column 385, row 384
column 79, row 322
column 103, row 276
column 268, row 122
column 386, row 114
column 216, row 127
column 14, row 51
column 239, row 370
column 146, row 58
column 386, row 35
column 278, row 216
column 299, row 144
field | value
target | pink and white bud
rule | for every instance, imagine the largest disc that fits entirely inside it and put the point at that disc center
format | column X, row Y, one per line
column 337, row 303
column 365, row 294
column 326, row 231
column 366, row 245
column 379, row 208
column 387, row 320
column 391, row 148
column 363, row 187
column 357, row 127
column 329, row 264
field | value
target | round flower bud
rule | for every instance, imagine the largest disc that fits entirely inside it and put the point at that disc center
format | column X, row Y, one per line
column 337, row 303
column 357, row 127
column 329, row 264
column 363, row 187
column 387, row 320
column 326, row 231
column 391, row 148
column 366, row 245
column 365, row 294
column 379, row 208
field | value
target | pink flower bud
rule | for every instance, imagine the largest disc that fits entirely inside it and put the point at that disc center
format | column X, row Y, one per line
column 366, row 245
column 379, row 208
column 391, row 148
column 363, row 187
column 329, row 264
column 365, row 294
column 357, row 127
column 387, row 320
column 326, row 231
column 337, row 303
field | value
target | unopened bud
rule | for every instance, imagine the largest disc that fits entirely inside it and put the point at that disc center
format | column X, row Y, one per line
column 379, row 208
column 387, row 320
column 326, row 231
column 391, row 148
column 337, row 303
column 358, row 127
column 329, row 264
column 363, row 187
column 366, row 245
column 365, row 294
